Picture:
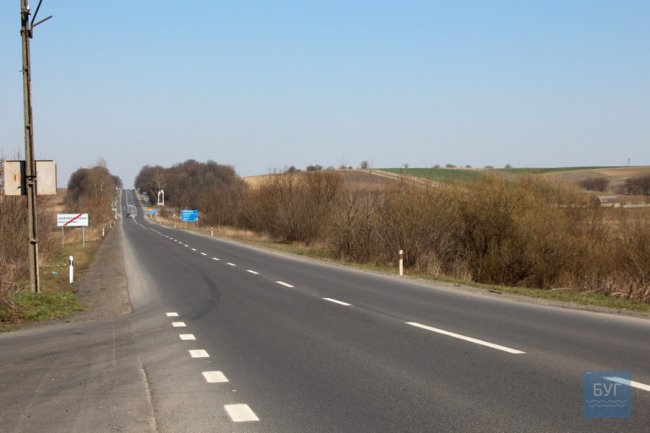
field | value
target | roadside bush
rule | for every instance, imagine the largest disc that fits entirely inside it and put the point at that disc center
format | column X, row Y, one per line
column 639, row 185
column 14, row 236
column 598, row 183
column 424, row 222
column 293, row 206
column 354, row 225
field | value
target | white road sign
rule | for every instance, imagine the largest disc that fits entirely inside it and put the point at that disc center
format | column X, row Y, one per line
column 72, row 220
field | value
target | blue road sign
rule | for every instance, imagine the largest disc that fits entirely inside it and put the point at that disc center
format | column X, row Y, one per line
column 189, row 215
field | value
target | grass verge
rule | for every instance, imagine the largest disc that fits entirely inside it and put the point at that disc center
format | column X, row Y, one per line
column 57, row 298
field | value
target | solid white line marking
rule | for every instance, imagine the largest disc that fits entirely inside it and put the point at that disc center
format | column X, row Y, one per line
column 199, row 353
column 231, row 264
column 470, row 339
column 214, row 377
column 631, row 383
column 240, row 413
column 179, row 324
column 172, row 314
column 282, row 283
column 203, row 254
column 187, row 337
column 345, row 304
column 215, row 259
column 250, row 271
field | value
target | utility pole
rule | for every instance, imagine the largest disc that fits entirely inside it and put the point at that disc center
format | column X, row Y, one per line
column 26, row 32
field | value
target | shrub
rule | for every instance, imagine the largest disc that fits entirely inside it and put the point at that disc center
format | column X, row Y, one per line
column 598, row 183
column 293, row 206
column 639, row 185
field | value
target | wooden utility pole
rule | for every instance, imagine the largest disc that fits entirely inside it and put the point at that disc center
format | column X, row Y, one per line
column 26, row 33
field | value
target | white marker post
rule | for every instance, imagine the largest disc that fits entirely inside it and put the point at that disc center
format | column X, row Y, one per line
column 401, row 263
column 212, row 231
column 71, row 269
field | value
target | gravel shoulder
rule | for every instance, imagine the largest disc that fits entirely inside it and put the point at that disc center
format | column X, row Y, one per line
column 103, row 289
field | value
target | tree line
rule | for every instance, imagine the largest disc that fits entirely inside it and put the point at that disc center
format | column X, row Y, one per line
column 213, row 188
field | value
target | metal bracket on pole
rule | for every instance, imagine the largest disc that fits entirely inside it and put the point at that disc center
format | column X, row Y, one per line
column 32, row 24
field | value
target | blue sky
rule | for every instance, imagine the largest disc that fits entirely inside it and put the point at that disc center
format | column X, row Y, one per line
column 263, row 85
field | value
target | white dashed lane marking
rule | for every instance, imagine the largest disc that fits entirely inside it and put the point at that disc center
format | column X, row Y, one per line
column 214, row 377
column 179, row 324
column 231, row 264
column 215, row 259
column 345, row 304
column 199, row 353
column 172, row 314
column 193, row 249
column 282, row 283
column 633, row 384
column 250, row 271
column 203, row 254
column 240, row 413
column 187, row 337
column 465, row 338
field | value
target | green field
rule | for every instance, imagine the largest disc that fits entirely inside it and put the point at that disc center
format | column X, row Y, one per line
column 438, row 174
column 540, row 170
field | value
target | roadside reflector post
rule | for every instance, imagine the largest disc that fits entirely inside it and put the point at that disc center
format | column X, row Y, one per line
column 102, row 231
column 401, row 263
column 212, row 231
column 71, row 269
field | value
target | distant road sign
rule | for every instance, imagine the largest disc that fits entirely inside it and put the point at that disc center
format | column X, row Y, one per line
column 189, row 215
column 72, row 220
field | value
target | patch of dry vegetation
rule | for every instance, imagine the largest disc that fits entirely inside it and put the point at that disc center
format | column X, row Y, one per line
column 534, row 232
column 13, row 247
column 90, row 189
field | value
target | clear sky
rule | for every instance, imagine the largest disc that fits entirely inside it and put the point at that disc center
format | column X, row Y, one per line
column 263, row 85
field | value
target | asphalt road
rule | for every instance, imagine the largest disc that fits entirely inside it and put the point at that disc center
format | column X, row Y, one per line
column 229, row 338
